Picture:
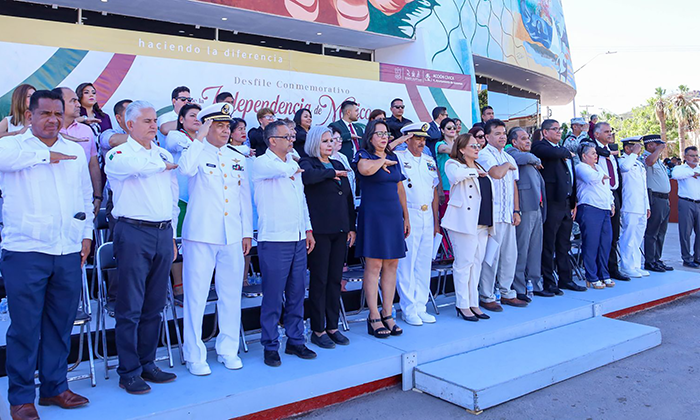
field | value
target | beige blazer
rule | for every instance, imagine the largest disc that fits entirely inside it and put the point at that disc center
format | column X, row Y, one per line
column 462, row 212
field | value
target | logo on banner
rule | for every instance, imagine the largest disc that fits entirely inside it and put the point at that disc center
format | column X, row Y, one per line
column 398, row 73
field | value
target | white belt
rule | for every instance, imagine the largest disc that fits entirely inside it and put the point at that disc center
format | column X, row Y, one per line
column 421, row 207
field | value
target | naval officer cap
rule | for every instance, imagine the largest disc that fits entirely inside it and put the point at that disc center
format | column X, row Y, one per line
column 222, row 111
column 630, row 141
column 579, row 121
column 652, row 138
column 419, row 129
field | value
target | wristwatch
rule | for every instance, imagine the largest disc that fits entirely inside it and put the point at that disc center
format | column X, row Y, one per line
column 518, row 212
column 97, row 197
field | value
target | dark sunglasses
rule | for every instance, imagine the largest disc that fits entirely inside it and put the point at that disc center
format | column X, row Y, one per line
column 400, row 106
column 184, row 99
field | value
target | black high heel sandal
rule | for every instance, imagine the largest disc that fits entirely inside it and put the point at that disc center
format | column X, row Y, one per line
column 466, row 318
column 394, row 331
column 378, row 333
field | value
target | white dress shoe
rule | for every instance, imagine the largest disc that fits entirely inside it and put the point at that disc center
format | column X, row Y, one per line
column 231, row 362
column 643, row 273
column 412, row 319
column 199, row 369
column 426, row 318
column 631, row 273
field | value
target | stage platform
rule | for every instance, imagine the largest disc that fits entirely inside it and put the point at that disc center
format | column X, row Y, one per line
column 298, row 383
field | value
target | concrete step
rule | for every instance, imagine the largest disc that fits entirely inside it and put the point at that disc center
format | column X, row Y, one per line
column 489, row 376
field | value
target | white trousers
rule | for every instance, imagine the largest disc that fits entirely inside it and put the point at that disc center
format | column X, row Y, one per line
column 632, row 227
column 469, row 252
column 502, row 272
column 413, row 273
column 199, row 261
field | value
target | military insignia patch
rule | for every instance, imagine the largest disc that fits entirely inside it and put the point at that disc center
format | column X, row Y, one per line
column 431, row 166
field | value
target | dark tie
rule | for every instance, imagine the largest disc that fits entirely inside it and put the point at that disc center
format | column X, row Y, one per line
column 354, row 140
column 611, row 172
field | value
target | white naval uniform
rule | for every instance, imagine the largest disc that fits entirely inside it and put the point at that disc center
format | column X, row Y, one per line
column 633, row 216
column 413, row 274
column 219, row 215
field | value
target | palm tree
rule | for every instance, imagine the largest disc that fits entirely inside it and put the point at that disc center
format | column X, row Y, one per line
column 661, row 109
column 686, row 112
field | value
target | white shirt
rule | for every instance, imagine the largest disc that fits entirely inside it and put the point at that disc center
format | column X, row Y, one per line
column 504, row 188
column 142, row 188
column 591, row 188
column 175, row 142
column 282, row 212
column 167, row 117
column 42, row 198
column 688, row 185
column 634, row 185
column 604, row 165
column 219, row 211
column 421, row 179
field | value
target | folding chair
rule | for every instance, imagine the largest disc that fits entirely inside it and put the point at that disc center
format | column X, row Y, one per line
column 82, row 320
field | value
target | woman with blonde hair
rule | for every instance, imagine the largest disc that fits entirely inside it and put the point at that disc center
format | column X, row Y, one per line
column 468, row 221
column 16, row 122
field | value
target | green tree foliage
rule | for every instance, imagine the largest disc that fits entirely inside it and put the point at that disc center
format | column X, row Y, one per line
column 483, row 98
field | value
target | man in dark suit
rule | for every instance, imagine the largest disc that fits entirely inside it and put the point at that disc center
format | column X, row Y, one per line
column 350, row 131
column 607, row 159
column 560, row 190
column 434, row 132
column 396, row 122
column 486, row 114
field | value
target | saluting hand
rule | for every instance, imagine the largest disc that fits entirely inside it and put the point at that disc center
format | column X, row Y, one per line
column 388, row 163
column 169, row 166
column 203, row 130
column 56, row 157
column 85, row 251
column 481, row 172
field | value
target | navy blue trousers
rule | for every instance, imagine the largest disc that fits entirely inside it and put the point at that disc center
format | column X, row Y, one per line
column 42, row 293
column 283, row 269
column 596, row 240
column 144, row 256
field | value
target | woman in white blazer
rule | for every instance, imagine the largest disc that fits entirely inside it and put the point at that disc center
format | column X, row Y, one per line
column 468, row 221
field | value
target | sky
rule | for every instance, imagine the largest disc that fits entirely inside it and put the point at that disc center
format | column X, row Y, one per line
column 656, row 44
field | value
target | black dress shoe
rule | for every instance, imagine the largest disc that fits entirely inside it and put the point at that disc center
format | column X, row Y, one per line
column 573, row 286
column 691, row 264
column 654, row 267
column 617, row 275
column 555, row 290
column 272, row 358
column 523, row 297
column 157, row 376
column 665, row 267
column 466, row 318
column 481, row 315
column 134, row 385
column 322, row 341
column 544, row 293
column 300, row 351
column 338, row 338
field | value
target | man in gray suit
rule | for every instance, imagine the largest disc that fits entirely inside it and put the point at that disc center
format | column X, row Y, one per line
column 532, row 205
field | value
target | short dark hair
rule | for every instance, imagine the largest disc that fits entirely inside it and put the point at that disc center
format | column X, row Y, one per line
column 178, row 90
column 334, row 129
column 366, row 142
column 547, row 124
column 446, row 121
column 222, row 96
column 693, row 148
column 394, row 100
column 593, row 116
column 377, row 112
column 484, row 108
column 271, row 130
column 346, row 104
column 491, row 124
column 45, row 94
column 437, row 111
column 120, row 106
column 235, row 121
column 183, row 111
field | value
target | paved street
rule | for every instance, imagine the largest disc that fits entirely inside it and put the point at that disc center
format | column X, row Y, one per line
column 661, row 383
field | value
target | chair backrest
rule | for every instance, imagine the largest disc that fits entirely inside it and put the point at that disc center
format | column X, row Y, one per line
column 105, row 257
column 101, row 220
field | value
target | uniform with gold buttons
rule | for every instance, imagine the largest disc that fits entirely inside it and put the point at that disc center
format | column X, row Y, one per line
column 217, row 227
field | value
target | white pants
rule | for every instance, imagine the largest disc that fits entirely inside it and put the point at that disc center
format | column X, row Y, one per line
column 632, row 227
column 469, row 252
column 199, row 261
column 502, row 272
column 413, row 273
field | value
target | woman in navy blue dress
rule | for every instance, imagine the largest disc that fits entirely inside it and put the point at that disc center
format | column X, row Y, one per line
column 382, row 225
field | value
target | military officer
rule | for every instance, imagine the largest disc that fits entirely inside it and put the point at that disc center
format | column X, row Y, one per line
column 635, row 208
column 413, row 273
column 217, row 234
column 145, row 205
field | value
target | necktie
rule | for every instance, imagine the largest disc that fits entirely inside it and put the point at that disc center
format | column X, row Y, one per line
column 352, row 134
column 611, row 172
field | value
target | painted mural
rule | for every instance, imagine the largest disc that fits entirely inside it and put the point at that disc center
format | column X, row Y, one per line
column 525, row 33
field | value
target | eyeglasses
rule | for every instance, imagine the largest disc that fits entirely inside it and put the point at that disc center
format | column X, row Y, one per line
column 480, row 136
column 287, row 137
column 476, row 146
column 557, row 129
column 338, row 139
column 450, row 127
column 268, row 117
column 381, row 134
column 399, row 106
column 184, row 99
